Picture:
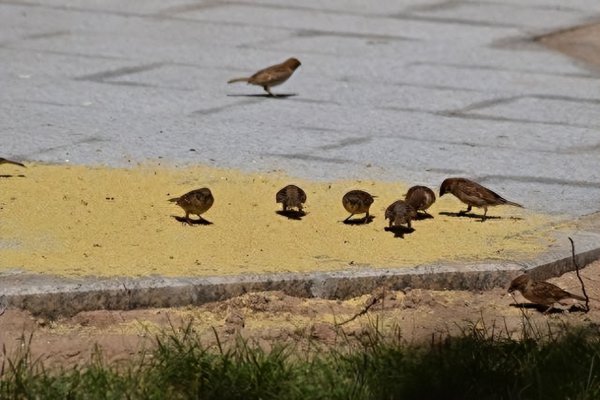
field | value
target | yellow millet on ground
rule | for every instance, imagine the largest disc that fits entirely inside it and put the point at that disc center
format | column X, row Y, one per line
column 78, row 221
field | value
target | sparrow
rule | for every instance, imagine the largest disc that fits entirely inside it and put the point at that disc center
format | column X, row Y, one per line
column 420, row 198
column 5, row 161
column 357, row 202
column 291, row 196
column 271, row 76
column 400, row 212
column 543, row 293
column 195, row 202
column 473, row 195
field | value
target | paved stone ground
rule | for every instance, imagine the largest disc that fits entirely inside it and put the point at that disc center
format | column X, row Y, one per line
column 406, row 90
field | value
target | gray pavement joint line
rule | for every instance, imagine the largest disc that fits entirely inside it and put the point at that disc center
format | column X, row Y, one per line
column 346, row 142
column 214, row 110
column 481, row 105
column 87, row 140
column 49, row 103
column 442, row 5
column 524, row 5
column 309, row 157
column 500, row 69
column 485, row 117
column 438, row 87
column 568, row 150
column 537, row 179
column 35, row 36
column 185, row 8
column 562, row 98
column 353, row 35
column 455, row 21
column 119, row 72
column 64, row 53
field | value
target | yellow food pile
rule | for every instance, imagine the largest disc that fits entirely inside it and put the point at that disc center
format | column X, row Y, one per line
column 78, row 221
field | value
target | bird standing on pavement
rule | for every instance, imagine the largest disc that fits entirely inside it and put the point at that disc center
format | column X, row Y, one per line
column 420, row 198
column 5, row 161
column 291, row 196
column 473, row 195
column 271, row 76
column 543, row 293
column 357, row 202
column 195, row 202
column 399, row 212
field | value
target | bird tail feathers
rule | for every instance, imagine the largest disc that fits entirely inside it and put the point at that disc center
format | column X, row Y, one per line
column 510, row 203
column 577, row 297
column 234, row 80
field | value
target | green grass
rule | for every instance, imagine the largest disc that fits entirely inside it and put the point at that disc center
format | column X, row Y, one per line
column 471, row 366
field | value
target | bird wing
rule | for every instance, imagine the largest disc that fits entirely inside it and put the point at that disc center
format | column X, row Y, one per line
column 270, row 75
column 390, row 212
column 553, row 293
column 476, row 194
column 416, row 197
column 281, row 195
column 301, row 195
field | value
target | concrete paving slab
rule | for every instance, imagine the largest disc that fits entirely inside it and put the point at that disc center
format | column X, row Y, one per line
column 407, row 91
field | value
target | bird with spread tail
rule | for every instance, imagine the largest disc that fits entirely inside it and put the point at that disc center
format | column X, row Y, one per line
column 542, row 293
column 420, row 198
column 357, row 202
column 473, row 195
column 195, row 202
column 5, row 161
column 291, row 196
column 271, row 76
column 400, row 212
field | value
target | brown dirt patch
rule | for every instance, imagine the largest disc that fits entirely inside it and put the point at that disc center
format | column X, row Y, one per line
column 582, row 42
column 269, row 317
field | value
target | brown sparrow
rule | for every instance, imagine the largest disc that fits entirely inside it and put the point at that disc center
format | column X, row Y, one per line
column 357, row 202
column 291, row 196
column 473, row 195
column 399, row 212
column 5, row 161
column 271, row 76
column 195, row 202
column 543, row 293
column 420, row 198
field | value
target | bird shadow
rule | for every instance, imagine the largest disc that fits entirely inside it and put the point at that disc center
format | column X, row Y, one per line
column 291, row 214
column 266, row 95
column 399, row 230
column 359, row 221
column 12, row 176
column 469, row 215
column 548, row 310
column 200, row 221
column 423, row 215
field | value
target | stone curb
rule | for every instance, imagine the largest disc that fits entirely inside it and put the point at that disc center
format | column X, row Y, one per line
column 52, row 296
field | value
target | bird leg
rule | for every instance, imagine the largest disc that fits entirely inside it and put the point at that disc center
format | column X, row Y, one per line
column 268, row 91
column 484, row 214
column 465, row 211
column 346, row 220
column 367, row 218
column 188, row 220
